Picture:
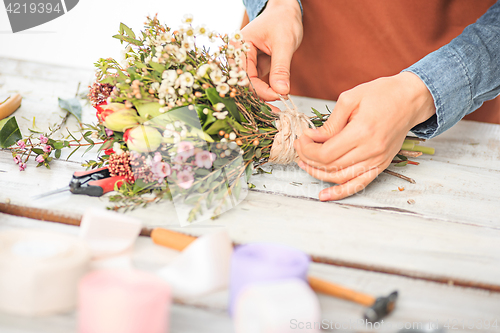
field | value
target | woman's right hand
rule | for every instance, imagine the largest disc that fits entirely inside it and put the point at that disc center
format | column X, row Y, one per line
column 273, row 37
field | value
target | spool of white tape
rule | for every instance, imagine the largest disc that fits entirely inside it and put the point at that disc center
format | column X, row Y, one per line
column 203, row 267
column 280, row 306
column 40, row 271
column 108, row 233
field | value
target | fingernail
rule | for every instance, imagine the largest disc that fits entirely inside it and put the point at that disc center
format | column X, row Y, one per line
column 324, row 196
column 282, row 84
column 301, row 164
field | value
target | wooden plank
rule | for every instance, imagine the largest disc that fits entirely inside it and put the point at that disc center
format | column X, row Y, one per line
column 419, row 301
column 381, row 239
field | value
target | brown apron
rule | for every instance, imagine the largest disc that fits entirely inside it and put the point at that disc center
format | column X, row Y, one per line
column 349, row 42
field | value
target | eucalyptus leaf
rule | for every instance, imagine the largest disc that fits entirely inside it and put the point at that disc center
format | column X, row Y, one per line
column 9, row 133
column 73, row 106
column 147, row 110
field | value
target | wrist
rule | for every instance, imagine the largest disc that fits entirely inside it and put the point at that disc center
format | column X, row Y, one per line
column 419, row 97
column 291, row 6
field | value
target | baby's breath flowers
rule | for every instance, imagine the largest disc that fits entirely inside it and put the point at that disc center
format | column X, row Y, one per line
column 184, row 117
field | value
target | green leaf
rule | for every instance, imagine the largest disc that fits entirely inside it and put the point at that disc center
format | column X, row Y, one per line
column 214, row 98
column 156, row 66
column 140, row 185
column 38, row 151
column 401, row 164
column 217, row 126
column 58, row 145
column 148, row 109
column 127, row 30
column 57, row 153
column 128, row 40
column 248, row 171
column 73, row 106
column 266, row 110
column 316, row 112
column 237, row 189
column 9, row 133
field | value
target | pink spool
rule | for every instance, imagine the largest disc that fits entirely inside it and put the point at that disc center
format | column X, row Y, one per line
column 123, row 301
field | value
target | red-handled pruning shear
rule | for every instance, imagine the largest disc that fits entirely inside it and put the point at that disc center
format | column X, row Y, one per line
column 93, row 183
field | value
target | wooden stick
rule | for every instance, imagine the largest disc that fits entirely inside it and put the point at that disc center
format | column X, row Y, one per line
column 330, row 289
column 409, row 153
column 392, row 173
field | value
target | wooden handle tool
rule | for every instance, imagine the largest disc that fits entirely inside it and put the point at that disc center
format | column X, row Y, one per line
column 178, row 241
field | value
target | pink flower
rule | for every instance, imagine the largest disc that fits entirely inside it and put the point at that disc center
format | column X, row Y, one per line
column 47, row 149
column 185, row 179
column 108, row 132
column 185, row 148
column 22, row 166
column 17, row 159
column 160, row 169
column 21, row 144
column 204, row 159
column 43, row 139
column 181, row 158
column 40, row 159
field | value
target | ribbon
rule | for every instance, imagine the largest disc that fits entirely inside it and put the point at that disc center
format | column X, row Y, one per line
column 260, row 262
column 123, row 302
column 283, row 306
column 39, row 271
column 203, row 267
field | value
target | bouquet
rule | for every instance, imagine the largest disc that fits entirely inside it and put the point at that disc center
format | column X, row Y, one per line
column 181, row 122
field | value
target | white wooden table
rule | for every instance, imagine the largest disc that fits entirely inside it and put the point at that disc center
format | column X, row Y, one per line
column 442, row 253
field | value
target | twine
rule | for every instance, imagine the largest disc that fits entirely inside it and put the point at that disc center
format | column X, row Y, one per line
column 290, row 126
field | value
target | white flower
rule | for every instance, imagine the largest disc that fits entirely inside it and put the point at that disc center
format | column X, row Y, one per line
column 166, row 37
column 188, row 19
column 155, row 86
column 232, row 81
column 163, row 110
column 169, row 76
column 223, row 88
column 189, row 32
column 246, row 47
column 217, row 77
column 242, row 74
column 187, row 44
column 180, row 55
column 171, row 48
column 212, row 35
column 220, row 115
column 232, row 136
column 202, row 70
column 237, row 53
column 233, row 73
column 201, row 30
column 230, row 49
column 243, row 82
column 117, row 148
column 219, row 106
column 232, row 145
column 236, row 36
column 187, row 80
column 181, row 91
column 205, row 111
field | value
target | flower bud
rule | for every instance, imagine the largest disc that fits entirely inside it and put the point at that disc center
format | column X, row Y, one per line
column 121, row 120
column 143, row 139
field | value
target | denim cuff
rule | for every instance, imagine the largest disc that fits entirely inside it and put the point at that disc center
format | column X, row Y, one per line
column 255, row 7
column 446, row 77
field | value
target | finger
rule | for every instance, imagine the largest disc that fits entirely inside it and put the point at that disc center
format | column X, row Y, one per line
column 263, row 65
column 279, row 77
column 347, row 103
column 322, row 154
column 338, row 177
column 251, row 64
column 351, row 187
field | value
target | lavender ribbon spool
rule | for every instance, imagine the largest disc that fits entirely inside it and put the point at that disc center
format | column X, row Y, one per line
column 260, row 262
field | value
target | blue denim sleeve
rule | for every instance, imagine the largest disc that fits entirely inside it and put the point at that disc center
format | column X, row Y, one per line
column 254, row 7
column 462, row 74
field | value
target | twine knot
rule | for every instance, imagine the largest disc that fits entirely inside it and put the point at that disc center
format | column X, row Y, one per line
column 290, row 126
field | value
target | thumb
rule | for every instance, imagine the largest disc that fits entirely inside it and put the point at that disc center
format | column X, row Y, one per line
column 337, row 120
column 279, row 76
